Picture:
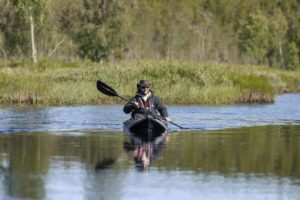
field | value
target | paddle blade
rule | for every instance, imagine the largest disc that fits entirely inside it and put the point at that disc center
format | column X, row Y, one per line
column 105, row 89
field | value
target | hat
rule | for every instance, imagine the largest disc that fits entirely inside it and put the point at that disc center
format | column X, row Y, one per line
column 144, row 83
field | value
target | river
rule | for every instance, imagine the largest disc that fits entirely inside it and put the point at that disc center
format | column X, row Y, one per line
column 79, row 152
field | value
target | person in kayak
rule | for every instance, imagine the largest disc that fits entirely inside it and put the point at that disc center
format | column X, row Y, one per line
column 145, row 98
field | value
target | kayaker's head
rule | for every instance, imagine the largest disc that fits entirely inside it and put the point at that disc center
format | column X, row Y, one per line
column 144, row 86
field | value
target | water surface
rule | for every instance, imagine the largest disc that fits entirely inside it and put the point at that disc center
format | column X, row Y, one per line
column 243, row 163
column 79, row 152
column 285, row 111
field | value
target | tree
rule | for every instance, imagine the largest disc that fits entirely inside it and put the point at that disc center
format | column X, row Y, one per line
column 293, row 61
column 33, row 12
column 101, row 34
column 3, row 24
column 263, row 31
column 12, row 29
column 253, row 37
column 278, row 29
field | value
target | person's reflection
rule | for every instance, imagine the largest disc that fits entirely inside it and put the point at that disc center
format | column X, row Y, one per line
column 143, row 152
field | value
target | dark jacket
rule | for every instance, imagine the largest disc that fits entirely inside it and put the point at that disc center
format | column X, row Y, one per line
column 153, row 104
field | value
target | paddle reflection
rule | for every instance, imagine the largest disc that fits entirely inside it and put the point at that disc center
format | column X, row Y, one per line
column 143, row 151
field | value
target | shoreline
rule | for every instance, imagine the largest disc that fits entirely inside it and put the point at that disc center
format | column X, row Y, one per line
column 56, row 83
column 122, row 102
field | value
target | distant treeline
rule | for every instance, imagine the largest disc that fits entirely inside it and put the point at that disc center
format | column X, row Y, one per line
column 264, row 32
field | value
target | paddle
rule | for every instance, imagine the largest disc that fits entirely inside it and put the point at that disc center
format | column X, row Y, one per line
column 105, row 89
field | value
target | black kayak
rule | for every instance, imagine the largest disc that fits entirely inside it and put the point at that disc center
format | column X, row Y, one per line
column 147, row 128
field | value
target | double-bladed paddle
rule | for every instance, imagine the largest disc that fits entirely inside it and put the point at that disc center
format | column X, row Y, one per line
column 105, row 89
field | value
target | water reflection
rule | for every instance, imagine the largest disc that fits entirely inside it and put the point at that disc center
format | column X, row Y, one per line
column 23, row 167
column 28, row 161
column 263, row 151
column 251, row 163
column 143, row 151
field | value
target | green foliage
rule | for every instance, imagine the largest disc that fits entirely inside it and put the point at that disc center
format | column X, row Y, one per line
column 31, row 7
column 278, row 28
column 17, row 30
column 253, row 83
column 293, row 61
column 100, row 35
column 231, row 31
column 253, row 36
column 291, row 80
column 67, row 16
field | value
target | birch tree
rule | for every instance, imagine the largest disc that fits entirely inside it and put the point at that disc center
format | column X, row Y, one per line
column 278, row 29
column 34, row 12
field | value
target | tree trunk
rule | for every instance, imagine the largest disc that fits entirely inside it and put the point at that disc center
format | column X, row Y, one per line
column 281, row 55
column 33, row 47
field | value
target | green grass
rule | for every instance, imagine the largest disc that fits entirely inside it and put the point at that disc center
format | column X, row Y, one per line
column 69, row 83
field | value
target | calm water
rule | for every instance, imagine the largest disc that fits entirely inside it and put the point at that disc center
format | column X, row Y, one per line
column 285, row 111
column 230, row 152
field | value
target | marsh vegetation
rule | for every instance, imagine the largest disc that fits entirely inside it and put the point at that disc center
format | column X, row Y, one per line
column 65, row 83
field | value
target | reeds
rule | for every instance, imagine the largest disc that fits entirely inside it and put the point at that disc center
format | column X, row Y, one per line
column 69, row 83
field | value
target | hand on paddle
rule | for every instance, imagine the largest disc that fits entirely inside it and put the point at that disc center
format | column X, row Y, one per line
column 136, row 104
column 167, row 119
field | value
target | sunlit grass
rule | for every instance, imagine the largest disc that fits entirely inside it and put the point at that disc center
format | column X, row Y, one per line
column 67, row 83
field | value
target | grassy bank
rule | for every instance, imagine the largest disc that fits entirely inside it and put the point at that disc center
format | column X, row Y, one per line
column 66, row 83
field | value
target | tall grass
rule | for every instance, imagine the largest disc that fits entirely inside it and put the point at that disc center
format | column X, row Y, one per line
column 67, row 83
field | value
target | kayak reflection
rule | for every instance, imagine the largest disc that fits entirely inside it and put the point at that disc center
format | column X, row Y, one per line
column 143, row 151
column 148, row 136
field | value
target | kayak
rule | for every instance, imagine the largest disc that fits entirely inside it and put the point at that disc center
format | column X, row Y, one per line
column 147, row 128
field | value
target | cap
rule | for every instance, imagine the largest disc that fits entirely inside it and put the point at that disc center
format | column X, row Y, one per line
column 144, row 83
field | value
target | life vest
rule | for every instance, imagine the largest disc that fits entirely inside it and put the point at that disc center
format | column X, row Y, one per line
column 148, row 104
